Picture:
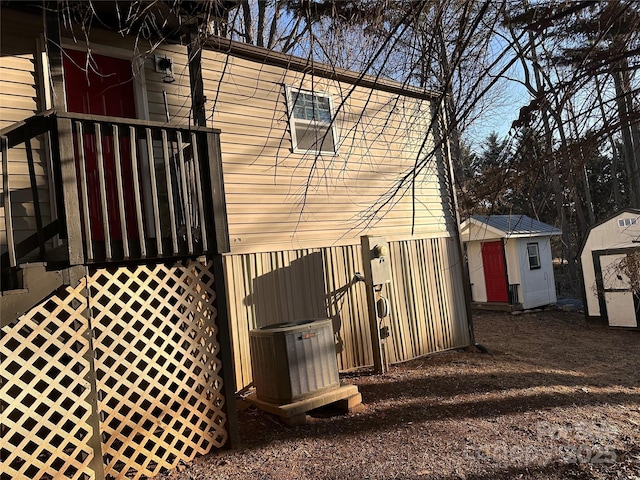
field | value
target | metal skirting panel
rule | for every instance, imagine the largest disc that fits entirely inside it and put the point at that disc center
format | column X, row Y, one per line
column 428, row 308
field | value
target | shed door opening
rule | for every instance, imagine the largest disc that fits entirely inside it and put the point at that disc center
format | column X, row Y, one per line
column 622, row 306
column 495, row 276
column 104, row 87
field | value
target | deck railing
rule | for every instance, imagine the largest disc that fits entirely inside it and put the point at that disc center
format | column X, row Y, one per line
column 124, row 189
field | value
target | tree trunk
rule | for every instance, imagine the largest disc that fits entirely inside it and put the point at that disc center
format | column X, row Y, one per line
column 615, row 185
column 559, row 196
column 630, row 139
column 262, row 21
column 453, row 133
column 248, row 27
column 274, row 25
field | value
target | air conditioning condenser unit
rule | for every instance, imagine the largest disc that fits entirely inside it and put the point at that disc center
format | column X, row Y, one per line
column 293, row 361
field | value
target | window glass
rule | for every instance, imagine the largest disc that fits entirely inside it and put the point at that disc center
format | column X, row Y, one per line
column 311, row 121
column 534, row 255
column 308, row 106
column 628, row 222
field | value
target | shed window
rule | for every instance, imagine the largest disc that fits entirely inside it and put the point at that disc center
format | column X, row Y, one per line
column 311, row 121
column 534, row 255
column 627, row 222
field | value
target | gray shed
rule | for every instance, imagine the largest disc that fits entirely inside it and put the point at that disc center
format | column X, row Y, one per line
column 510, row 261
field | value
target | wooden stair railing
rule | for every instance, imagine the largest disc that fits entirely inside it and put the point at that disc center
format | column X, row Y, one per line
column 124, row 189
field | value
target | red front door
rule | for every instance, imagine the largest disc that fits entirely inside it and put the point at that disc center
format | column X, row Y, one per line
column 495, row 276
column 103, row 87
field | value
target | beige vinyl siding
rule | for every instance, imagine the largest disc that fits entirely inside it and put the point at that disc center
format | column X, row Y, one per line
column 19, row 100
column 426, row 298
column 278, row 200
column 178, row 92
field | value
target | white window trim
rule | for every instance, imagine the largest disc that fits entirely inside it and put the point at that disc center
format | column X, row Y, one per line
column 537, row 256
column 290, row 96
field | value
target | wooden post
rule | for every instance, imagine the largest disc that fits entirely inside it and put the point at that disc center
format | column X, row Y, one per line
column 217, row 193
column 102, row 183
column 374, row 329
column 185, row 193
column 8, row 216
column 124, row 234
column 154, row 191
column 170, row 198
column 70, row 192
column 84, row 195
column 95, row 442
column 196, row 161
column 34, row 192
column 226, row 354
column 54, row 52
column 195, row 76
column 136, row 191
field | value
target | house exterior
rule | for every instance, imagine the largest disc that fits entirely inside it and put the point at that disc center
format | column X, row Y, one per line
column 177, row 194
column 296, row 216
column 509, row 260
column 608, row 286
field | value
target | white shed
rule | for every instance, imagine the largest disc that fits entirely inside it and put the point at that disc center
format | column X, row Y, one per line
column 510, row 262
column 608, row 291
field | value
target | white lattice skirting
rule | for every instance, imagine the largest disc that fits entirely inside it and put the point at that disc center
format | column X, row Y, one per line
column 143, row 368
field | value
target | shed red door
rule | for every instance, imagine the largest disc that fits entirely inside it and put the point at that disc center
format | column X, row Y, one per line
column 495, row 276
column 106, row 89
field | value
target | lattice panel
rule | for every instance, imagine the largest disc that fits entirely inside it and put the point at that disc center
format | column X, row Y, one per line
column 158, row 373
column 45, row 392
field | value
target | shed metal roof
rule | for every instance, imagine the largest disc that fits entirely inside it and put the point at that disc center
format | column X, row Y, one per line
column 517, row 225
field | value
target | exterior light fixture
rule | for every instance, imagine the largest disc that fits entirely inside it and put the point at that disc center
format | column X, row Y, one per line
column 164, row 65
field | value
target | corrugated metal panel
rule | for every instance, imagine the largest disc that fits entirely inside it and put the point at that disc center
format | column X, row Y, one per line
column 428, row 312
column 347, row 305
column 517, row 224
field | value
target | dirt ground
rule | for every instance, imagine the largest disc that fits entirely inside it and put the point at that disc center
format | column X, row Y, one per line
column 555, row 399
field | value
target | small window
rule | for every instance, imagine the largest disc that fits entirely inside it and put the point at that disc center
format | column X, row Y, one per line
column 311, row 121
column 627, row 222
column 534, row 256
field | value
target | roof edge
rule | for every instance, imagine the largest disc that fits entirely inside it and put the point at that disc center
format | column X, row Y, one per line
column 602, row 222
column 467, row 224
column 537, row 234
column 291, row 62
column 518, row 229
